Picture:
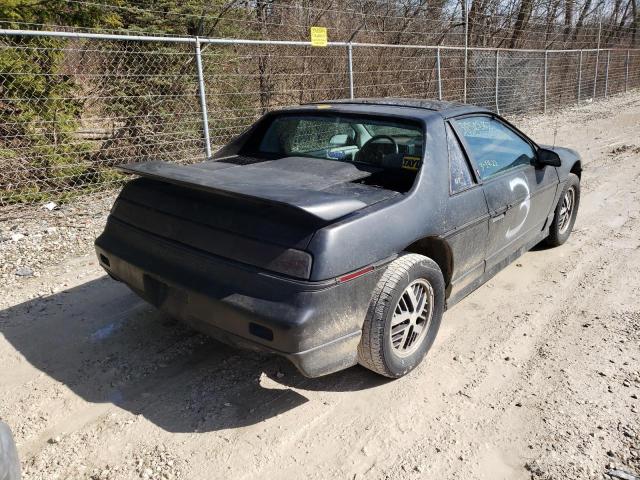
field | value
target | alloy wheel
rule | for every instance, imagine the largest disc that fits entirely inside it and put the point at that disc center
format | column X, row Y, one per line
column 411, row 317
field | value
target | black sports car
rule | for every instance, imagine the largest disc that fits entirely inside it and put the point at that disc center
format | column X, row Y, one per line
column 339, row 233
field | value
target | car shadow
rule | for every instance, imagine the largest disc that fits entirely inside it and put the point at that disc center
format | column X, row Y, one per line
column 107, row 345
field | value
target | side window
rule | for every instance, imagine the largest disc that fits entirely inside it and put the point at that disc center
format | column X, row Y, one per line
column 493, row 145
column 459, row 174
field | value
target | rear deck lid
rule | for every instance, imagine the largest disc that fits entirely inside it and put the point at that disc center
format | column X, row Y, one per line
column 261, row 214
column 320, row 188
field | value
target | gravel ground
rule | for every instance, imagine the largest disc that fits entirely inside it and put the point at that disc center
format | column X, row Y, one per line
column 536, row 375
column 35, row 238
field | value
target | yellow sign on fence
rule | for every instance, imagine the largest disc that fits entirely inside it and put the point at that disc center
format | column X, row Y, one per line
column 318, row 36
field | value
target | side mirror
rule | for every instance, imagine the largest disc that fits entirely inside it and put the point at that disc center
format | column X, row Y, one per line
column 548, row 157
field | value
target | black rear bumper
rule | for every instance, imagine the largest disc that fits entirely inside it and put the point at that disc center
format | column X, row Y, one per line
column 316, row 325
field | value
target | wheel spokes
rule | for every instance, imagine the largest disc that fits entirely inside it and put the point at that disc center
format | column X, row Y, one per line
column 399, row 335
column 412, row 299
column 566, row 210
column 417, row 328
column 400, row 318
column 411, row 317
column 422, row 300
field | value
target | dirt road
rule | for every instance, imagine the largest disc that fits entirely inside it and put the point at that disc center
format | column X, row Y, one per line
column 535, row 375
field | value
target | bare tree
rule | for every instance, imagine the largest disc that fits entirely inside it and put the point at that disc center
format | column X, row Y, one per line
column 524, row 13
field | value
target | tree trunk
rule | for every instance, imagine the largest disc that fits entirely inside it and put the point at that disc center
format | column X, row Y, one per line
column 568, row 17
column 583, row 15
column 524, row 13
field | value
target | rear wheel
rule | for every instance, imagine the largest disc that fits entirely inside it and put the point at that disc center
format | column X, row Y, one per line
column 403, row 317
column 566, row 212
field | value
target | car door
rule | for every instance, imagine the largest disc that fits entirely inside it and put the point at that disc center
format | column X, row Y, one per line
column 519, row 194
column 466, row 218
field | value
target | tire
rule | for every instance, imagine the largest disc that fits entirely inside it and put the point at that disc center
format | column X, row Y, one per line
column 396, row 357
column 562, row 224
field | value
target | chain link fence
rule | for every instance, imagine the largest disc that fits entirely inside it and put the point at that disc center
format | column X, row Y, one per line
column 73, row 105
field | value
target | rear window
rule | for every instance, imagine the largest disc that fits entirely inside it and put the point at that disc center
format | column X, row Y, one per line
column 344, row 137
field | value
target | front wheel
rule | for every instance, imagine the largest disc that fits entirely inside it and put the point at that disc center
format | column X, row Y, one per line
column 566, row 212
column 403, row 317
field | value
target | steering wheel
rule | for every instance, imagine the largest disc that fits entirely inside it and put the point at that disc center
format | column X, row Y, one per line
column 376, row 155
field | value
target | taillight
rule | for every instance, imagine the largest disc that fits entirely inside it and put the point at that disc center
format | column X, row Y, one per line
column 295, row 263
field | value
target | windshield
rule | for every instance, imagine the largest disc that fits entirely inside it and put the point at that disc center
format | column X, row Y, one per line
column 349, row 138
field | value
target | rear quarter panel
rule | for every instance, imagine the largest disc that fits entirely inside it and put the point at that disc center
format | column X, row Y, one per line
column 385, row 229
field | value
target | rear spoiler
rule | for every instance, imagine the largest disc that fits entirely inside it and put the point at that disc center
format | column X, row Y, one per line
column 264, row 185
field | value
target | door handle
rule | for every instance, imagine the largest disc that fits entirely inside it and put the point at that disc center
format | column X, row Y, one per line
column 499, row 214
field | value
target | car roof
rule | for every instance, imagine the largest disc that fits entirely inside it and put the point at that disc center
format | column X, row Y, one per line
column 412, row 107
column 429, row 104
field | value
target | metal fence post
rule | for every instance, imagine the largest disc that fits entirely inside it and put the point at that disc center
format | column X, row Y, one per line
column 595, row 78
column 350, row 62
column 579, row 75
column 545, row 82
column 606, row 75
column 438, row 72
column 466, row 47
column 497, row 80
column 203, row 100
column 626, row 74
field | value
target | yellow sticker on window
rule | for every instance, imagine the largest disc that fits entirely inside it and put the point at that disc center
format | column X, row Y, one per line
column 318, row 36
column 411, row 163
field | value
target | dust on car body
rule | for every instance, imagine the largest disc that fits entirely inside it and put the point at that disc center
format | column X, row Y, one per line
column 339, row 235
